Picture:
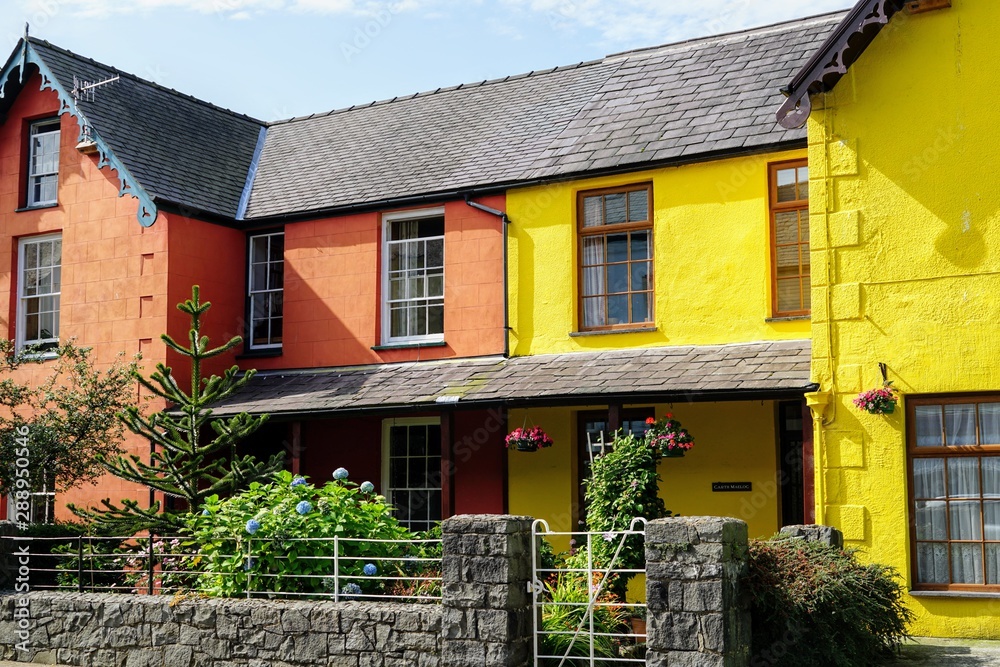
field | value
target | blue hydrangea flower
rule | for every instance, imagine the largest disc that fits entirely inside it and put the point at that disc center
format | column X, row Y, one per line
column 248, row 565
column 371, row 570
column 253, row 525
column 304, row 507
column 367, row 487
column 298, row 481
column 351, row 590
column 340, row 474
column 204, row 512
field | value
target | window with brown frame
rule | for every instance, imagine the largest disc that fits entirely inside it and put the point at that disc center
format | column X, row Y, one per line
column 616, row 257
column 789, row 198
column 954, row 453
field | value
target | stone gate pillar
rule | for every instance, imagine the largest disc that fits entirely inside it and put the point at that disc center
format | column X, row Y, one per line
column 486, row 567
column 697, row 613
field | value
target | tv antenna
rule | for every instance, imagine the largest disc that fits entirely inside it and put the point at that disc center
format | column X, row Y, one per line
column 86, row 90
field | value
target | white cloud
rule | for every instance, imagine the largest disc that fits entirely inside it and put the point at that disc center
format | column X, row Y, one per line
column 617, row 22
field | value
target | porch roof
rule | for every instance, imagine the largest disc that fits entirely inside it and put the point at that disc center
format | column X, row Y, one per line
column 669, row 374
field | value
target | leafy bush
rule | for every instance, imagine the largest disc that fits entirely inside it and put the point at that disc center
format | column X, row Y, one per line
column 560, row 617
column 252, row 540
column 814, row 605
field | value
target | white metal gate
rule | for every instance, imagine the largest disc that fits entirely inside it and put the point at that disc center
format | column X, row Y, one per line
column 590, row 625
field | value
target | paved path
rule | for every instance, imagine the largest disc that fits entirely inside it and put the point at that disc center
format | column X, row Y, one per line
column 950, row 653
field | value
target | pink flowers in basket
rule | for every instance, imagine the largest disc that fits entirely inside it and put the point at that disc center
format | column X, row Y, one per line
column 668, row 436
column 528, row 439
column 881, row 401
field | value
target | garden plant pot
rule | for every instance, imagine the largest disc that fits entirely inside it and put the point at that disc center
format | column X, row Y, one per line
column 526, row 447
column 673, row 454
column 638, row 625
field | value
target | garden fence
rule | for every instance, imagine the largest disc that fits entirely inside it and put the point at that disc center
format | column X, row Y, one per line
column 335, row 568
column 595, row 628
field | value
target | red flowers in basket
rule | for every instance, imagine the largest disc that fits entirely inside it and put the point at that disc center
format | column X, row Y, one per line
column 528, row 439
column 668, row 436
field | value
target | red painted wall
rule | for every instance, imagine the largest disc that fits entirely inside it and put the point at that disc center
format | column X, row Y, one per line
column 109, row 263
column 355, row 444
column 480, row 460
column 332, row 290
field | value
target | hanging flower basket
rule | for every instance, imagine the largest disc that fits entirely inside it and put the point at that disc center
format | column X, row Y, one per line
column 881, row 401
column 528, row 439
column 668, row 436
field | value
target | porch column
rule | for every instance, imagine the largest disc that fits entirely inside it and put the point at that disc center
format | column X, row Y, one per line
column 447, row 464
column 295, row 438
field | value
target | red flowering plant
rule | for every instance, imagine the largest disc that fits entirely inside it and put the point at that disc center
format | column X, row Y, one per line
column 528, row 439
column 668, row 436
column 881, row 401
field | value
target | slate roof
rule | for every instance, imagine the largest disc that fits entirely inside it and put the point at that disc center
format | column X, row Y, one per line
column 181, row 150
column 676, row 103
column 672, row 103
column 752, row 370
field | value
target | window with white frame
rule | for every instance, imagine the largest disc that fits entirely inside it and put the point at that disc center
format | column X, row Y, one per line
column 38, row 288
column 411, row 470
column 413, row 278
column 43, row 163
column 266, row 290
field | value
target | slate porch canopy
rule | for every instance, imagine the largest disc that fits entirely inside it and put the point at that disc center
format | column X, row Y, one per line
column 753, row 371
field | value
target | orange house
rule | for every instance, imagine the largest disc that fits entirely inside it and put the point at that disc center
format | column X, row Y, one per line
column 347, row 286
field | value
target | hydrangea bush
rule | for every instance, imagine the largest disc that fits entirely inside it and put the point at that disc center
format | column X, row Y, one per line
column 245, row 542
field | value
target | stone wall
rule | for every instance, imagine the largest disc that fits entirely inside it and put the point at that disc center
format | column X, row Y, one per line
column 102, row 630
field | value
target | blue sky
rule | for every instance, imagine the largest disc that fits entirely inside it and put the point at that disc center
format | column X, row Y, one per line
column 275, row 59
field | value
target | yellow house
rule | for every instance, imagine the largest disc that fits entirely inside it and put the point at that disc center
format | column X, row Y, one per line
column 905, row 275
column 665, row 256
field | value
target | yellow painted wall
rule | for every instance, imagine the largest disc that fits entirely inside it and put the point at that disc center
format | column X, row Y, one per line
column 905, row 232
column 734, row 442
column 711, row 259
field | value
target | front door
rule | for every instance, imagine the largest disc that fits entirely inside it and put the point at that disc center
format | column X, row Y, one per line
column 791, row 464
column 595, row 436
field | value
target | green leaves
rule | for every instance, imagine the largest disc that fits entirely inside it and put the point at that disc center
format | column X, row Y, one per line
column 186, row 464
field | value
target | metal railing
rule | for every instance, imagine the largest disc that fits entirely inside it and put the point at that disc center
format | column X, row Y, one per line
column 336, row 568
column 574, row 606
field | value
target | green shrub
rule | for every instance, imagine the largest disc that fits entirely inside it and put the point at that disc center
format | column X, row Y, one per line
column 274, row 559
column 814, row 605
column 556, row 618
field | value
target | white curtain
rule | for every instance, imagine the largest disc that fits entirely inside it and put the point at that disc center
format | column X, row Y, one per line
column 960, row 425
column 989, row 423
column 991, row 476
column 932, row 521
column 594, row 309
column 932, row 563
column 928, row 422
column 966, row 563
column 993, row 564
column 928, row 479
column 963, row 478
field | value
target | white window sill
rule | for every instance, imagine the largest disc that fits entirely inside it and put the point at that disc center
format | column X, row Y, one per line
column 609, row 332
column 972, row 595
column 403, row 345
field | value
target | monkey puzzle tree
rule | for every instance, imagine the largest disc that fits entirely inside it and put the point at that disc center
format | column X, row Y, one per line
column 184, row 463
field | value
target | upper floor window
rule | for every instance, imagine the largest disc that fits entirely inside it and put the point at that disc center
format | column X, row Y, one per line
column 789, row 185
column 954, row 453
column 266, row 289
column 43, row 163
column 38, row 287
column 616, row 257
column 413, row 278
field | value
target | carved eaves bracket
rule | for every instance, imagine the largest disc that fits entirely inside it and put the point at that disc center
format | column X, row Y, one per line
column 127, row 184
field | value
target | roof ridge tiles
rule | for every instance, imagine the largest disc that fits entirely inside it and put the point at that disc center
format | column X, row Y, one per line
column 436, row 91
column 139, row 79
